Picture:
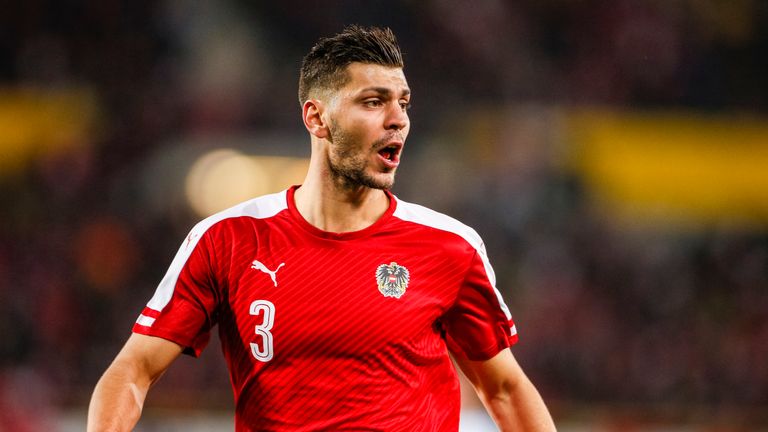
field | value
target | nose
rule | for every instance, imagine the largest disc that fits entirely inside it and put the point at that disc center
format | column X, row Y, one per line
column 397, row 118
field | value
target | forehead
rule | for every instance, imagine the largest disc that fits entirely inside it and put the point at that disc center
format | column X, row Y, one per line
column 364, row 75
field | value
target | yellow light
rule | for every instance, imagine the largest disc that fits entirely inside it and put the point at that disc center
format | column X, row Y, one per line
column 225, row 177
column 37, row 122
column 674, row 167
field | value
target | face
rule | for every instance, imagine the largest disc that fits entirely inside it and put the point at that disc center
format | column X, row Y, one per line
column 368, row 124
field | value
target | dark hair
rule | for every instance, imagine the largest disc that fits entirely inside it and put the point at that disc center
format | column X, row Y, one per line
column 325, row 65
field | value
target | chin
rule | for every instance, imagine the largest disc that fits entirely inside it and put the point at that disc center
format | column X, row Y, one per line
column 354, row 178
column 387, row 181
column 381, row 185
column 380, row 182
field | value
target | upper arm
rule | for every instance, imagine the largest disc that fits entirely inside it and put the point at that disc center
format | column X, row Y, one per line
column 119, row 395
column 185, row 304
column 478, row 325
column 510, row 397
column 149, row 356
column 499, row 374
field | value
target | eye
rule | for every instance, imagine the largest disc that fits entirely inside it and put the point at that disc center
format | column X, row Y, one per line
column 372, row 103
column 405, row 105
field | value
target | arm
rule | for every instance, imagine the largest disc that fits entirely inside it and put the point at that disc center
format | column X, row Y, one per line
column 507, row 393
column 119, row 395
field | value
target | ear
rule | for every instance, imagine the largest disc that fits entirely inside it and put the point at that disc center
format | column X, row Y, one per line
column 312, row 114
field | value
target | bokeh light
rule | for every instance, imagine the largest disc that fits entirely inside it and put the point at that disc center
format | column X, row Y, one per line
column 224, row 177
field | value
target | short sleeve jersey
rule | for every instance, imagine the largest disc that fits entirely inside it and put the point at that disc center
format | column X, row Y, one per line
column 334, row 331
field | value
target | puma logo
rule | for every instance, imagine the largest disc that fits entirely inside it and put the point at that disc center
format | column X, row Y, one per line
column 272, row 274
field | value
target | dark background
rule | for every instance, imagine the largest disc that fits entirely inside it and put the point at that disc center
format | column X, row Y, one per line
column 622, row 325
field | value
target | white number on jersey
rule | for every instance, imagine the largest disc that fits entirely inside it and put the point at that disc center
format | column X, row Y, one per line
column 266, row 308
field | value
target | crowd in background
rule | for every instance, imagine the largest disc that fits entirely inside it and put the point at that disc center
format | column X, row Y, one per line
column 649, row 319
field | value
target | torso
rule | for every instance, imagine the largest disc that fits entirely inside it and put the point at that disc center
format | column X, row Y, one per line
column 335, row 341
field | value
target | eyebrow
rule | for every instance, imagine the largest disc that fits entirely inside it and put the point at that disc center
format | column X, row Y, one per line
column 385, row 91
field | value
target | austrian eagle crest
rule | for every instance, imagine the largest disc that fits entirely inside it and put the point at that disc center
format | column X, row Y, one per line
column 392, row 279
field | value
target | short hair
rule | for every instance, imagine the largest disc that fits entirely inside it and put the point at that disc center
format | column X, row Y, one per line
column 324, row 67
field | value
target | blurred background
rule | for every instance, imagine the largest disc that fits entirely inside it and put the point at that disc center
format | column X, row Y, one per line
column 613, row 155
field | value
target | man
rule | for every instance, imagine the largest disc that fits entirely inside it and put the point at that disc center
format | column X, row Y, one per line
column 337, row 303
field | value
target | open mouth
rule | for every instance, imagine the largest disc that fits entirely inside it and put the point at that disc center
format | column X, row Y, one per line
column 388, row 152
column 391, row 154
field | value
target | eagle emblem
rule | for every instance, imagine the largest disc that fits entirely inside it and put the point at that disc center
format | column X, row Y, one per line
column 392, row 279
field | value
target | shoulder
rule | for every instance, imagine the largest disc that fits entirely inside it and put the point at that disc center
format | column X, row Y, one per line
column 427, row 217
column 263, row 207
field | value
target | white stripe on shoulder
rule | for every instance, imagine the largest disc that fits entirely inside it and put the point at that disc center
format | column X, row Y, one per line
column 260, row 208
column 145, row 321
column 425, row 216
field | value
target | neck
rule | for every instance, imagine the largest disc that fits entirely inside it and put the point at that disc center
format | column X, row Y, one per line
column 339, row 208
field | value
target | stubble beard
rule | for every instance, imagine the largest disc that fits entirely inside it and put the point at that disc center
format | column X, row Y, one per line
column 348, row 165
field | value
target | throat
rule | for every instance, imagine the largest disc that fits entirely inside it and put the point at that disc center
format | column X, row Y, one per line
column 342, row 212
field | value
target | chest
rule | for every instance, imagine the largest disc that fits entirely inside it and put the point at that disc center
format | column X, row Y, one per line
column 335, row 299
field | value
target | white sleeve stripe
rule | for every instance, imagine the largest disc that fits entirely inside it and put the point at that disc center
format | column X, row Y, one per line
column 425, row 216
column 260, row 208
column 145, row 321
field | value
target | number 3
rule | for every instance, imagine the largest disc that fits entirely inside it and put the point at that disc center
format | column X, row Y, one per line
column 266, row 307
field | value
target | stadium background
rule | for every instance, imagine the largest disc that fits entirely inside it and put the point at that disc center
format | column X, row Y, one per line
column 613, row 154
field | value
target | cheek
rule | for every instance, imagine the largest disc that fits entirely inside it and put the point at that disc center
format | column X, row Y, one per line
column 344, row 145
column 356, row 134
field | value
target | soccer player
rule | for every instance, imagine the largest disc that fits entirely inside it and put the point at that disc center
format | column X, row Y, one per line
column 337, row 304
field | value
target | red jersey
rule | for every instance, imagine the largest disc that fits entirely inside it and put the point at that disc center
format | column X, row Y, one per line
column 334, row 331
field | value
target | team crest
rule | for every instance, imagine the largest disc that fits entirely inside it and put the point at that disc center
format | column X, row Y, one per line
column 392, row 279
